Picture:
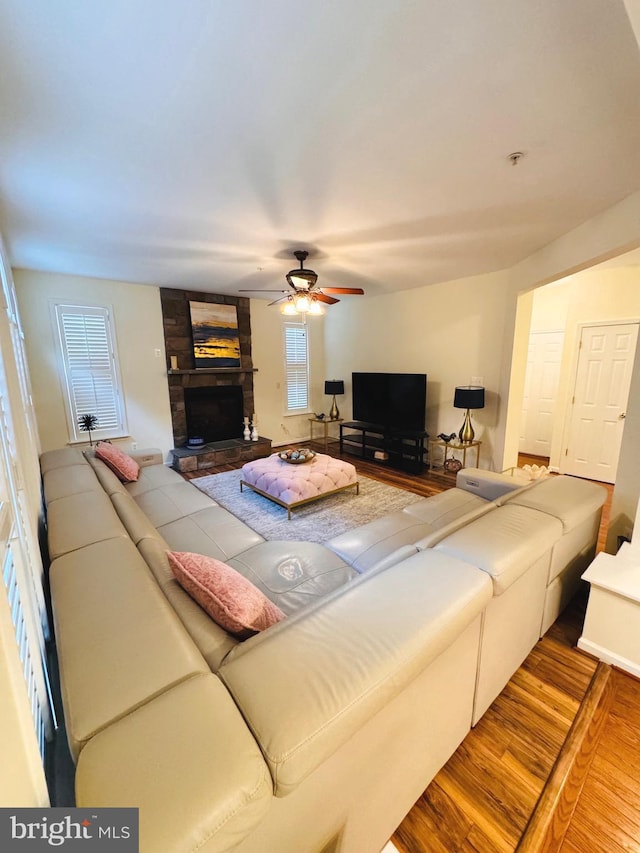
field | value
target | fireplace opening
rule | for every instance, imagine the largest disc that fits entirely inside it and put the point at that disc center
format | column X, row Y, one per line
column 214, row 414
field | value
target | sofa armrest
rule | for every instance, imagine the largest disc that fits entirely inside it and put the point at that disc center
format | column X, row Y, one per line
column 308, row 684
column 147, row 456
column 489, row 485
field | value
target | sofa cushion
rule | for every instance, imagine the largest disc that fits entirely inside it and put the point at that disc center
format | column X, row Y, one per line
column 61, row 458
column 380, row 542
column 394, row 537
column 504, row 543
column 293, row 574
column 171, row 502
column 70, row 480
column 122, row 465
column 189, row 764
column 81, row 519
column 153, row 477
column 229, row 598
column 569, row 499
column 446, row 507
column 119, row 641
column 213, row 531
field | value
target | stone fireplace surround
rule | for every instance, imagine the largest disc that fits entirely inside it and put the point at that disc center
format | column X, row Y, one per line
column 179, row 343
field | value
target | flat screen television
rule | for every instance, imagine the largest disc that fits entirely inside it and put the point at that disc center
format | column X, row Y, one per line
column 392, row 400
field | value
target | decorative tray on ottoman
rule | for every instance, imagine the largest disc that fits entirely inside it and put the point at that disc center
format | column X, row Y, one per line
column 296, row 456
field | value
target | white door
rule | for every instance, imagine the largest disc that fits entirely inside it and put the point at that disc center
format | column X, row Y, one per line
column 605, row 363
column 541, row 386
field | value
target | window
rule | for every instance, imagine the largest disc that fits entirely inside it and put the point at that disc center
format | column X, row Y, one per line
column 91, row 376
column 24, row 681
column 296, row 357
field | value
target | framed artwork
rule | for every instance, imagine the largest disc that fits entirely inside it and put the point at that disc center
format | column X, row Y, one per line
column 216, row 342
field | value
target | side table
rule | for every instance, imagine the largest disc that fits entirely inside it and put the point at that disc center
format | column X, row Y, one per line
column 454, row 445
column 325, row 423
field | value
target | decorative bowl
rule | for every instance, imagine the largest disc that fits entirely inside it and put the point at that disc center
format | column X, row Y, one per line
column 320, row 416
column 297, row 455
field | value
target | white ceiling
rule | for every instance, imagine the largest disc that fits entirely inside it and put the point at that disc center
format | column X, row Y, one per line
column 194, row 144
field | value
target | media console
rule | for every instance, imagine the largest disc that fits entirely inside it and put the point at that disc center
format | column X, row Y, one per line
column 401, row 448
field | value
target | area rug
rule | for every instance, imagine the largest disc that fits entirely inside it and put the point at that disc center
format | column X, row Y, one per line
column 314, row 522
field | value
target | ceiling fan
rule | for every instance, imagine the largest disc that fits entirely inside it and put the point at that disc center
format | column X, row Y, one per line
column 305, row 296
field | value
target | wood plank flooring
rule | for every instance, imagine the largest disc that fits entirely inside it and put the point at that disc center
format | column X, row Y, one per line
column 607, row 815
column 483, row 798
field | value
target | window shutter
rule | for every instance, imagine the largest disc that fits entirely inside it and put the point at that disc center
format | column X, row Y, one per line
column 34, row 667
column 297, row 367
column 90, row 368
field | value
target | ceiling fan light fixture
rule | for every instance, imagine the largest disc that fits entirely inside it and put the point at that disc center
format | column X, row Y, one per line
column 316, row 309
column 302, row 279
column 302, row 302
column 289, row 308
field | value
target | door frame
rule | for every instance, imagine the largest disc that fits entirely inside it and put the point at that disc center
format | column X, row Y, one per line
column 573, row 373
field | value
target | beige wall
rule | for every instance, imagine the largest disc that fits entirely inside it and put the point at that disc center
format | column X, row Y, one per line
column 269, row 382
column 138, row 327
column 452, row 332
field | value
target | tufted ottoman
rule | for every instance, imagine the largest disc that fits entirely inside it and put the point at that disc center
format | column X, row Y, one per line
column 292, row 485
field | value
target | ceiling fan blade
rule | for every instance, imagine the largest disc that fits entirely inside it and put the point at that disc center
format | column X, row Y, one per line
column 256, row 290
column 355, row 291
column 277, row 301
column 322, row 297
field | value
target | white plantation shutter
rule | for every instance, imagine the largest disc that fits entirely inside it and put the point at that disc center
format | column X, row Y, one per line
column 30, row 646
column 90, row 369
column 24, row 681
column 296, row 367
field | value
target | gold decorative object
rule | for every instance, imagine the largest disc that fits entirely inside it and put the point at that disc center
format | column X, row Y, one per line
column 468, row 397
column 334, row 386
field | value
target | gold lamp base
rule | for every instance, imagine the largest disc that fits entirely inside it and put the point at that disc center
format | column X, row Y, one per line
column 466, row 433
column 334, row 414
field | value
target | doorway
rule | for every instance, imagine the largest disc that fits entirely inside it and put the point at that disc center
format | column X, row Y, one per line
column 595, row 424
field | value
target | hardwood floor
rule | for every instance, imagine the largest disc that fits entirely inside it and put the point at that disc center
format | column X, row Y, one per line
column 607, row 813
column 483, row 798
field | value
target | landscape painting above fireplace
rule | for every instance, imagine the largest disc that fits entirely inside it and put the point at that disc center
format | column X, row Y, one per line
column 216, row 342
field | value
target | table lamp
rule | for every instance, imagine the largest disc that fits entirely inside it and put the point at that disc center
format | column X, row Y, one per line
column 468, row 397
column 334, row 386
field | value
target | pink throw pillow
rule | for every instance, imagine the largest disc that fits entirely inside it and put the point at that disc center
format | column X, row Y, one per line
column 227, row 596
column 123, row 466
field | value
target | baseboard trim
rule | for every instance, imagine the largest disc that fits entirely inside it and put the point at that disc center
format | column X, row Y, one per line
column 608, row 656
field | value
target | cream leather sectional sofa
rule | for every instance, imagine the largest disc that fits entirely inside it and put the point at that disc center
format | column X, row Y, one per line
column 320, row 733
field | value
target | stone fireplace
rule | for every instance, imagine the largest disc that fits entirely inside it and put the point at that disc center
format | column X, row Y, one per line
column 218, row 398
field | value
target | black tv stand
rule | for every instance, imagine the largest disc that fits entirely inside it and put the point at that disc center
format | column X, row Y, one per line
column 400, row 448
